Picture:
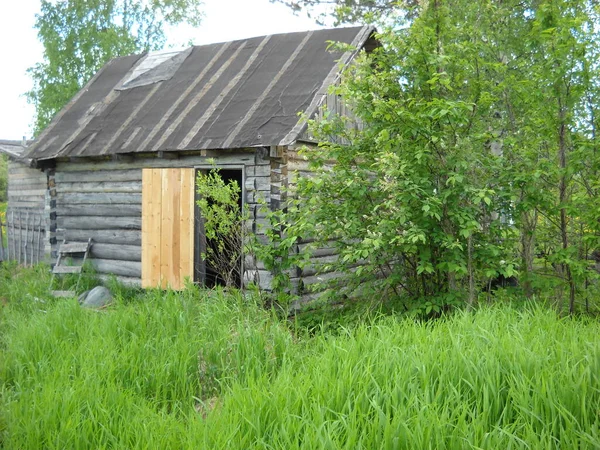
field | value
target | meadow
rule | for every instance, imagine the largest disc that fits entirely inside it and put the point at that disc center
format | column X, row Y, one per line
column 213, row 369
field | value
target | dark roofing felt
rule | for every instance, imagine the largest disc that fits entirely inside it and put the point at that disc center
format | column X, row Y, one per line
column 237, row 94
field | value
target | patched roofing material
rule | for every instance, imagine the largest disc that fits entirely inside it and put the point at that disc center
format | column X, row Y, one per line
column 245, row 93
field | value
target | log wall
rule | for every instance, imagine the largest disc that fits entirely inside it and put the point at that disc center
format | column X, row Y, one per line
column 26, row 187
column 102, row 200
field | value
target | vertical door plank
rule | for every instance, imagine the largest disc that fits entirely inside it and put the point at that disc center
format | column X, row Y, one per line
column 146, row 227
column 166, row 235
column 175, row 182
column 154, row 228
column 186, row 227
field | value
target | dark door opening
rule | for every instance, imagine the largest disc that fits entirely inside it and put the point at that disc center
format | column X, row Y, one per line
column 205, row 270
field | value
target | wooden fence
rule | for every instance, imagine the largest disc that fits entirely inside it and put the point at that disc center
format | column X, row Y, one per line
column 22, row 236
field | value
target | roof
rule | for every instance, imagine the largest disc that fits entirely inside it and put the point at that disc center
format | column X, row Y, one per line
column 14, row 149
column 239, row 94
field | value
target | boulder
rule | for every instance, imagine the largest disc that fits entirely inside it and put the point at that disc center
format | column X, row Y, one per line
column 97, row 298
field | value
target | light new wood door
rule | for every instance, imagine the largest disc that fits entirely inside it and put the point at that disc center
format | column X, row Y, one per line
column 167, row 227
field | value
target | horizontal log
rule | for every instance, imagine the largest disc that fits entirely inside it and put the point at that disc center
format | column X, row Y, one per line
column 20, row 169
column 100, row 210
column 26, row 204
column 99, row 176
column 117, row 251
column 111, row 236
column 66, row 269
column 100, row 199
column 263, row 278
column 100, row 223
column 316, row 265
column 216, row 158
column 127, row 281
column 131, row 269
column 100, row 186
column 25, row 183
column 26, row 192
column 317, row 252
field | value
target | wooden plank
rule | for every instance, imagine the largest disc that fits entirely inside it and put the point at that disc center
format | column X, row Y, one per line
column 116, row 267
column 100, row 210
column 147, row 203
column 170, row 227
column 186, row 227
column 100, row 198
column 14, row 169
column 67, row 269
column 155, row 223
column 118, row 251
column 100, row 222
column 126, row 237
column 108, row 186
column 127, row 281
column 99, row 176
column 26, row 192
column 27, row 184
column 219, row 158
column 73, row 247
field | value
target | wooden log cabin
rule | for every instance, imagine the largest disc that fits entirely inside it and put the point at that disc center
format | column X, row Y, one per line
column 122, row 156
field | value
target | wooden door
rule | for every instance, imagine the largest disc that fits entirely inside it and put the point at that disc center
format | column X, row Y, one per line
column 167, row 227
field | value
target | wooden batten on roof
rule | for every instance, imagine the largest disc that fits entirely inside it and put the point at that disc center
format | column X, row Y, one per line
column 240, row 94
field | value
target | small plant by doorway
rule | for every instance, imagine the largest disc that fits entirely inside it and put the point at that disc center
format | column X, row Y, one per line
column 219, row 227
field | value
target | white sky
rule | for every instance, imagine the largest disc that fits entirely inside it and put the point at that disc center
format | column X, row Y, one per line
column 224, row 20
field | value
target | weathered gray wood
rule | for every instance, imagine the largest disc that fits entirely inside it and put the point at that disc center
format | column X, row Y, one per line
column 100, row 199
column 18, row 192
column 262, row 183
column 67, row 269
column 317, row 265
column 119, row 252
column 127, row 281
column 108, row 186
column 101, row 210
column 318, row 252
column 131, row 269
column 14, row 169
column 100, row 223
column 27, row 184
column 99, row 176
column 219, row 158
column 127, row 237
column 73, row 247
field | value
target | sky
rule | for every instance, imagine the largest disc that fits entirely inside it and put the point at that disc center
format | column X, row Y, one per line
column 20, row 49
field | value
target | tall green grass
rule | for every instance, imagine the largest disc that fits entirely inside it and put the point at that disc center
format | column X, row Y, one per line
column 204, row 369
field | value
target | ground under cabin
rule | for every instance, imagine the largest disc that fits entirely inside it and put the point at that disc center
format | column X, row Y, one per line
column 122, row 156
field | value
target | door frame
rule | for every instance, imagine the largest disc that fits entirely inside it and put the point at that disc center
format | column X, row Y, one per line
column 199, row 265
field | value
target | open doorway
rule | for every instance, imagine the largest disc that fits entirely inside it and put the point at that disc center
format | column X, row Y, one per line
column 218, row 262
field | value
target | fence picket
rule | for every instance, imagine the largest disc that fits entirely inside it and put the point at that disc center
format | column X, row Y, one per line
column 23, row 230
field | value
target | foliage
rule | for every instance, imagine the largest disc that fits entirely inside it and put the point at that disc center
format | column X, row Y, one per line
column 223, row 224
column 476, row 153
column 80, row 36
column 204, row 369
column 351, row 11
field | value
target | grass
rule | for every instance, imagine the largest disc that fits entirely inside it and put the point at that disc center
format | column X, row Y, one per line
column 206, row 369
column 3, row 206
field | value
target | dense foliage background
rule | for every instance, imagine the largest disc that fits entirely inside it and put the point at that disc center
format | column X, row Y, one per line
column 475, row 162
